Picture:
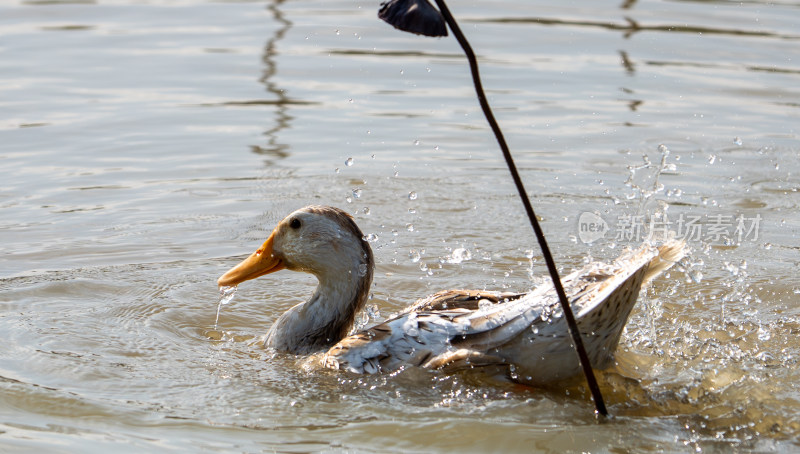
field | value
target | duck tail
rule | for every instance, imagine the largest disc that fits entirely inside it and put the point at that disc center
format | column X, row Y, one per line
column 669, row 253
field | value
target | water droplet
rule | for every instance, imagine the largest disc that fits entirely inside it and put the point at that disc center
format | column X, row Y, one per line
column 373, row 311
column 763, row 334
column 737, row 141
column 336, row 170
column 412, row 195
column 459, row 255
column 366, row 211
column 423, row 266
column 695, row 276
column 410, row 227
column 357, row 193
column 226, row 294
column 416, row 142
column 414, row 256
column 348, row 162
column 663, row 149
column 348, row 199
column 371, row 237
column 712, row 159
column 362, row 269
column 412, row 210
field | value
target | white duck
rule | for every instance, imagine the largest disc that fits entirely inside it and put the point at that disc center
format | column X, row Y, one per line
column 449, row 330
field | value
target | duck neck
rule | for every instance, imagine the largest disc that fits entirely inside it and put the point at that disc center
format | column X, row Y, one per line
column 328, row 316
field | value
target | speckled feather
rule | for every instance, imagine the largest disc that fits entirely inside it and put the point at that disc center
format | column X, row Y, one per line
column 467, row 328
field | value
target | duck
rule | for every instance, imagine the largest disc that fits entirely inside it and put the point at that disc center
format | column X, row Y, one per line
column 523, row 334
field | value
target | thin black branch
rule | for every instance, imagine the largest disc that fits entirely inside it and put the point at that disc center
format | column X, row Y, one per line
column 551, row 266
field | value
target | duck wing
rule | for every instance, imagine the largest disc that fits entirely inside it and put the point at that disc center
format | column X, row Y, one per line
column 450, row 329
column 467, row 328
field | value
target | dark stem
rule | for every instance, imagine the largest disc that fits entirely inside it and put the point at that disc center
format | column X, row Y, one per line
column 551, row 266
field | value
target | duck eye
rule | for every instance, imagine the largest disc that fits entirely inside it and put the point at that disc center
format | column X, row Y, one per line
column 294, row 223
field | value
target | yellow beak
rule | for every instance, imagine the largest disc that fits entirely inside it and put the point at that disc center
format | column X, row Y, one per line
column 260, row 262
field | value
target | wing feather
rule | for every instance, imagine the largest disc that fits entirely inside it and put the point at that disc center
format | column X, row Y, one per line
column 468, row 328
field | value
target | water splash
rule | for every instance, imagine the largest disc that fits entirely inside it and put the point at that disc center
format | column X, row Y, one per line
column 370, row 313
column 458, row 255
column 373, row 311
column 530, row 256
column 738, row 285
column 651, row 219
column 644, row 178
column 226, row 294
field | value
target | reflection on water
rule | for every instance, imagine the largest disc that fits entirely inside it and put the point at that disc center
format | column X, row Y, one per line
column 140, row 156
column 629, row 27
column 270, row 68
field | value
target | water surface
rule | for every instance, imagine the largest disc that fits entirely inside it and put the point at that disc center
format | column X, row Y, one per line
column 148, row 146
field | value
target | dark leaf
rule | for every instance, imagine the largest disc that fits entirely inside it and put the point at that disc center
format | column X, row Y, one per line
column 415, row 16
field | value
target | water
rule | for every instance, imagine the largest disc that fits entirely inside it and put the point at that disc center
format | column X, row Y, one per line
column 147, row 147
column 226, row 295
